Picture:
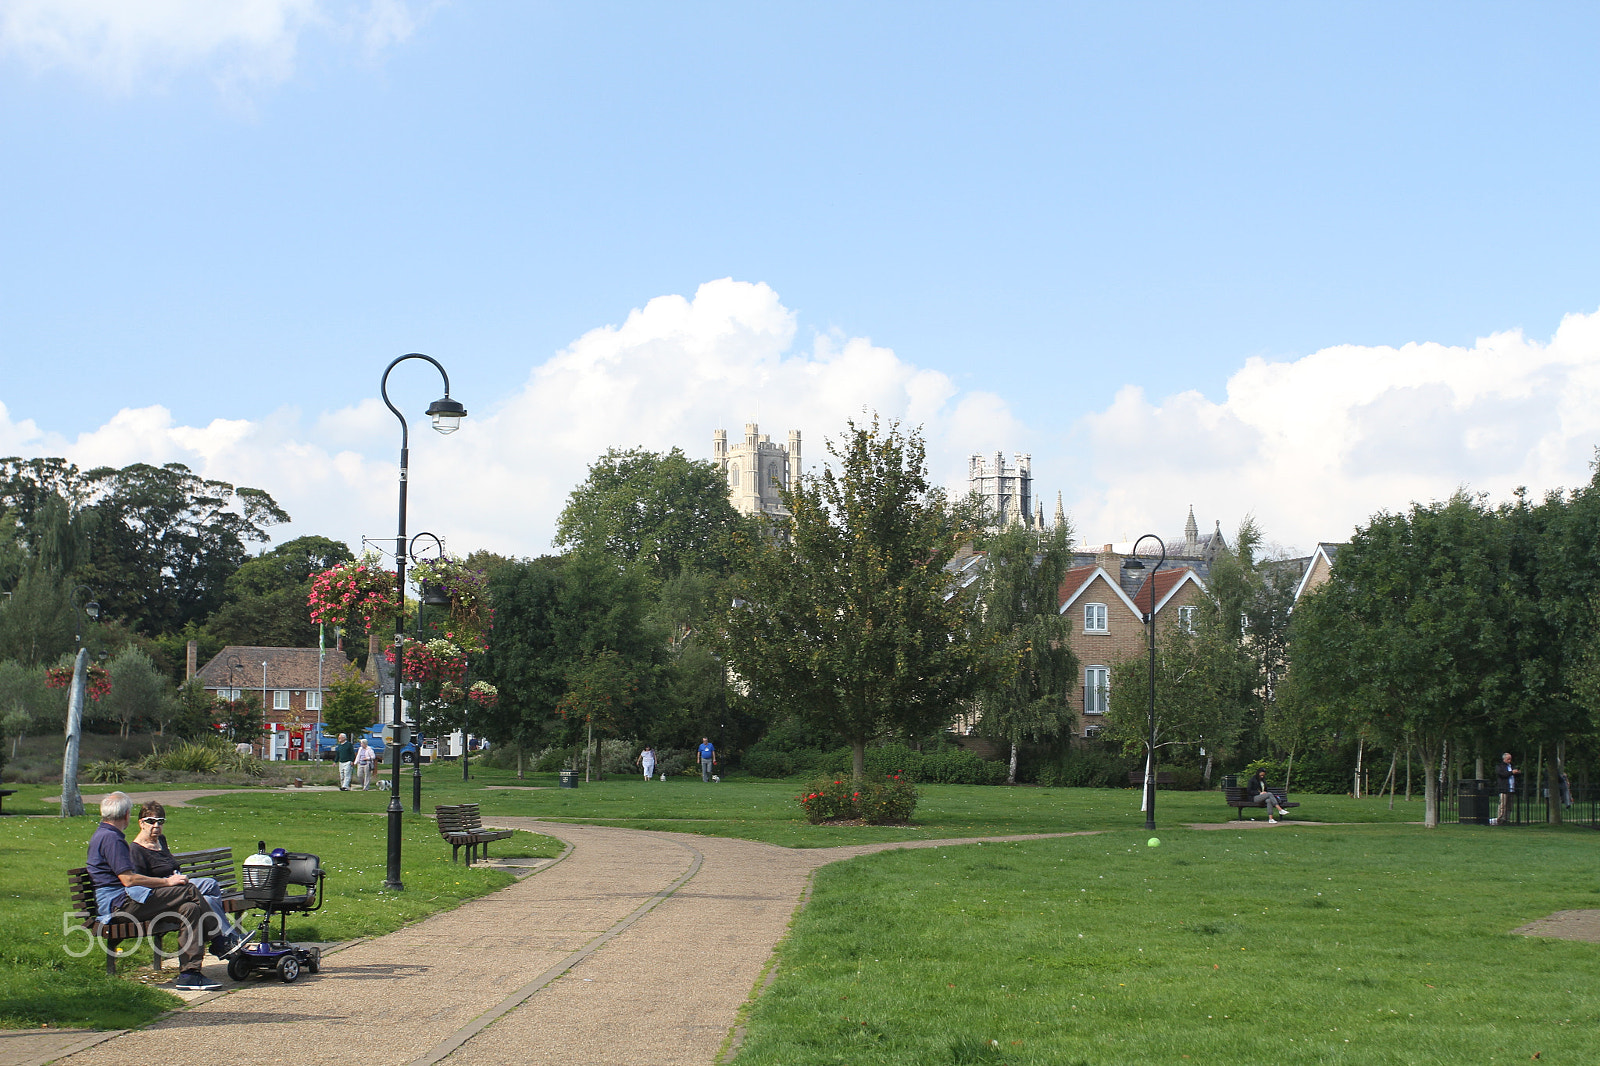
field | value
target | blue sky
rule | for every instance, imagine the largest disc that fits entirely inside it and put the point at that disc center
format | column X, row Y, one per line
column 1299, row 261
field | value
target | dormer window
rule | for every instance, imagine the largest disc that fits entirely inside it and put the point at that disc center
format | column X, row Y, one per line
column 1094, row 618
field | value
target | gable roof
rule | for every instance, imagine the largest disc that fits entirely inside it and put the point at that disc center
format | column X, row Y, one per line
column 1325, row 550
column 1163, row 585
column 237, row 666
column 1077, row 581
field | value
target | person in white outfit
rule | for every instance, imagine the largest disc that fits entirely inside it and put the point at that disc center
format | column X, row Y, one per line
column 365, row 757
column 647, row 760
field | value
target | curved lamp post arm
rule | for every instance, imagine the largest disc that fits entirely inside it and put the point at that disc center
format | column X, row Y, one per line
column 447, row 415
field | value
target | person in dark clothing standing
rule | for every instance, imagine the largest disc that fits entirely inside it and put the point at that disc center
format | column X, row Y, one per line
column 345, row 756
column 119, row 890
column 1508, row 786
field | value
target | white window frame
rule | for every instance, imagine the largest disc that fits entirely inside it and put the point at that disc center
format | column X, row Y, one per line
column 1096, row 690
column 313, row 699
column 1186, row 618
column 1095, row 618
column 280, row 699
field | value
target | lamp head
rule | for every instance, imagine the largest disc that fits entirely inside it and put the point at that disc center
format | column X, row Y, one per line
column 446, row 414
column 92, row 609
column 1132, row 563
column 435, row 596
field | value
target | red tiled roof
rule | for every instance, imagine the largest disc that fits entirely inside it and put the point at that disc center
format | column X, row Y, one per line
column 1072, row 582
column 1162, row 582
column 291, row 668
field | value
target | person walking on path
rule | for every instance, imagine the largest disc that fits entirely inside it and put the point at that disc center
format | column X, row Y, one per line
column 647, row 760
column 118, row 889
column 708, row 758
column 365, row 757
column 1262, row 796
column 345, row 756
column 1508, row 786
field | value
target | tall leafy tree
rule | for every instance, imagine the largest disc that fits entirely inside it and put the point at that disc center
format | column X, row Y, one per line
column 266, row 597
column 138, row 691
column 847, row 612
column 1203, row 685
column 163, row 541
column 666, row 512
column 1027, row 693
column 1410, row 636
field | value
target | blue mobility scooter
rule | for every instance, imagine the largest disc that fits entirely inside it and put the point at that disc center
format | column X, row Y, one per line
column 279, row 883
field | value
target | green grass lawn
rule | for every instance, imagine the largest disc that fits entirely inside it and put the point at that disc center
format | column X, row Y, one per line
column 1367, row 945
column 41, row 984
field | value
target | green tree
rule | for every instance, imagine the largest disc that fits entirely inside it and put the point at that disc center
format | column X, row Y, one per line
column 1203, row 684
column 265, row 602
column 163, row 541
column 1027, row 691
column 1409, row 638
column 666, row 512
column 138, row 691
column 38, row 623
column 1254, row 594
column 349, row 705
column 847, row 613
column 26, row 706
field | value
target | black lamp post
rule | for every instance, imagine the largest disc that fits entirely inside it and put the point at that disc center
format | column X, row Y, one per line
column 447, row 415
column 1132, row 563
column 71, row 799
column 430, row 596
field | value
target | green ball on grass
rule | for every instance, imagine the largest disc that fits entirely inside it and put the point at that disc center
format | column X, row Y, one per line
column 1154, row 842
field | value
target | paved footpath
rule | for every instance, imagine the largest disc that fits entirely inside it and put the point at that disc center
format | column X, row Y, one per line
column 637, row 947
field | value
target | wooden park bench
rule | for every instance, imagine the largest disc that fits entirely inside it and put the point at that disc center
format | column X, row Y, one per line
column 1239, row 799
column 213, row 862
column 462, row 827
column 4, row 792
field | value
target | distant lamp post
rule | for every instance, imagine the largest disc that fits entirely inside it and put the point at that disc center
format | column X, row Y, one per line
column 1149, row 610
column 430, row 596
column 71, row 799
column 447, row 415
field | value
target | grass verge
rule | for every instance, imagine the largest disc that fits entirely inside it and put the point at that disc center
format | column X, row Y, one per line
column 41, row 984
column 1383, row 944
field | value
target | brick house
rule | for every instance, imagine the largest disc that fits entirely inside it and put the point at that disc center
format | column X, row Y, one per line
column 286, row 680
column 1108, row 622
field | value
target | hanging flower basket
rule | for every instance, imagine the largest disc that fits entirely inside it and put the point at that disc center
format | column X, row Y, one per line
column 465, row 588
column 97, row 678
column 363, row 589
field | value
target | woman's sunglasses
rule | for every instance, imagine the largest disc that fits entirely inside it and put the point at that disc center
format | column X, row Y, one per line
column 153, row 821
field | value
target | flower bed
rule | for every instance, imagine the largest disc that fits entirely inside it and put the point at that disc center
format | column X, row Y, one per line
column 887, row 802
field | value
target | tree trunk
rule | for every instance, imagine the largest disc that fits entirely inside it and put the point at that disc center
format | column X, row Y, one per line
column 1361, row 750
column 588, row 741
column 1288, row 771
column 1553, row 804
column 1430, row 790
column 858, row 760
column 1011, row 773
column 1408, row 773
column 1394, row 761
column 519, row 762
column 1207, row 776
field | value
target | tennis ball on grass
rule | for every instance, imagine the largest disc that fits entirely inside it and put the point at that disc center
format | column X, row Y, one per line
column 1154, row 842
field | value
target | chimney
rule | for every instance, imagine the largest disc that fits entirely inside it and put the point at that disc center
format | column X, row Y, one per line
column 192, row 661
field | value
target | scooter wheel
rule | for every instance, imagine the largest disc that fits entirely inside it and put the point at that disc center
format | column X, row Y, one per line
column 289, row 969
column 239, row 969
column 314, row 963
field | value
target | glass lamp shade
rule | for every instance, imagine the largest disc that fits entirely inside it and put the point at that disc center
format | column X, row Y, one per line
column 446, row 414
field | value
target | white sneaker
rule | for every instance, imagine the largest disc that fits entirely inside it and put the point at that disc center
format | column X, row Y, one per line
column 1272, row 821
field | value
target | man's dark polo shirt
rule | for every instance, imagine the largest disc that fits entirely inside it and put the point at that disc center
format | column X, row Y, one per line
column 109, row 856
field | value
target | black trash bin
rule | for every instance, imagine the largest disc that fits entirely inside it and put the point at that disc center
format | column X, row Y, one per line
column 569, row 779
column 1228, row 780
column 1473, row 801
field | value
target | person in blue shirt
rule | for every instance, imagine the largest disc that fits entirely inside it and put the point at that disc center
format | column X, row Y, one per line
column 708, row 758
column 118, row 889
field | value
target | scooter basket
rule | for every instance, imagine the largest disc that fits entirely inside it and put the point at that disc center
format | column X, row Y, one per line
column 265, row 884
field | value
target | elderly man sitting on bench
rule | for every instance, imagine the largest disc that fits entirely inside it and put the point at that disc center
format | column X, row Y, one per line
column 119, row 890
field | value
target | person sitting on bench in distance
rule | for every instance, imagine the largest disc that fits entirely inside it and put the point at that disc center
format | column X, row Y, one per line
column 153, row 858
column 118, row 890
column 1262, row 796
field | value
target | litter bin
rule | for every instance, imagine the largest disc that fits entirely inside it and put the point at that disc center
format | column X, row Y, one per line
column 569, row 779
column 1228, row 780
column 1473, row 801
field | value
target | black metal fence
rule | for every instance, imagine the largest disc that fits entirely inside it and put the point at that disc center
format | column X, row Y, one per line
column 1477, row 802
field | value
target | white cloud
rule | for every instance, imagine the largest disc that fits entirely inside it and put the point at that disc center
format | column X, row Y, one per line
column 1315, row 446
column 127, row 45
column 1311, row 446
column 671, row 373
